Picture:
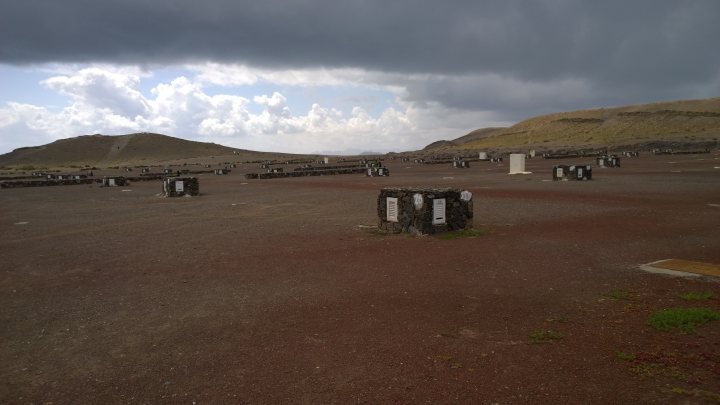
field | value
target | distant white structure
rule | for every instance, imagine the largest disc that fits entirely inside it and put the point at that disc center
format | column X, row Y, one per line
column 517, row 163
column 482, row 155
column 326, row 160
column 532, row 153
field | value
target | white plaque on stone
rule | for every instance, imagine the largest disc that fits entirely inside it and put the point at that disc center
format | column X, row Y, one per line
column 466, row 195
column 179, row 187
column 392, row 209
column 438, row 211
column 418, row 201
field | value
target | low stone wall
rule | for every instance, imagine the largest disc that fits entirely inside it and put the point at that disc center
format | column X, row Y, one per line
column 682, row 152
column 311, row 168
column 317, row 172
column 572, row 154
column 424, row 210
column 180, row 186
column 46, row 183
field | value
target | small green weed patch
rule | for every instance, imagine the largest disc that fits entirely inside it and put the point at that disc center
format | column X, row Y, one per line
column 544, row 336
column 656, row 369
column 626, row 356
column 697, row 296
column 465, row 233
column 684, row 319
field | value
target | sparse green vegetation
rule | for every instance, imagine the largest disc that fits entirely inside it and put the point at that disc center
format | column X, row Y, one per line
column 656, row 369
column 626, row 356
column 697, row 296
column 465, row 233
column 684, row 319
column 544, row 336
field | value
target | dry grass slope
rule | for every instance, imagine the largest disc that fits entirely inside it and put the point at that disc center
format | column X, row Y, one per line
column 690, row 121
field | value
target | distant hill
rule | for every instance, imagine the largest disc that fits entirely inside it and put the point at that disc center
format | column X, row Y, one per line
column 120, row 149
column 470, row 137
column 689, row 122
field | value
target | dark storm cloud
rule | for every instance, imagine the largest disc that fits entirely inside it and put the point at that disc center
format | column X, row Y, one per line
column 647, row 44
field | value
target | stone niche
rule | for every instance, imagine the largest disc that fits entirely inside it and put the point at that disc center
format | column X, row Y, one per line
column 109, row 181
column 378, row 172
column 608, row 161
column 572, row 172
column 180, row 186
column 424, row 210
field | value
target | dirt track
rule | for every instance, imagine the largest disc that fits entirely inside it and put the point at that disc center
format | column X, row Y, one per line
column 267, row 291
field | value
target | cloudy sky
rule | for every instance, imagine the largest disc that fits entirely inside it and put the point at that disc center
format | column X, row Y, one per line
column 338, row 75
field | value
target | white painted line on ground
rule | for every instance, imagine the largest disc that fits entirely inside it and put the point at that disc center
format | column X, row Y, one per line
column 22, row 223
column 650, row 269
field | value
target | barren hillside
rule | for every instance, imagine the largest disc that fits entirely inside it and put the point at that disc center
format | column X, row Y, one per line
column 122, row 149
column 687, row 122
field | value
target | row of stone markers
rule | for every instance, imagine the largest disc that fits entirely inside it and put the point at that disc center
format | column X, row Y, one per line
column 659, row 151
column 303, row 173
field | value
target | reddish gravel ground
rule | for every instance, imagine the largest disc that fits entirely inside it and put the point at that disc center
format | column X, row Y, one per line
column 268, row 291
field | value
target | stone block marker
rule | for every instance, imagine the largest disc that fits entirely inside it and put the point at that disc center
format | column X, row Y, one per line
column 378, row 172
column 517, row 164
column 180, row 186
column 572, row 172
column 608, row 161
column 109, row 181
column 424, row 210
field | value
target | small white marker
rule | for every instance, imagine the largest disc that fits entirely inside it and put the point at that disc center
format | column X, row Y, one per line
column 22, row 223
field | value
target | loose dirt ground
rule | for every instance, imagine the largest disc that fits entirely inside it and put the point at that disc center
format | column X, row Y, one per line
column 268, row 291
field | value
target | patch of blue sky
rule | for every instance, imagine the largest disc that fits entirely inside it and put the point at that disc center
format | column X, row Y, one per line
column 21, row 84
